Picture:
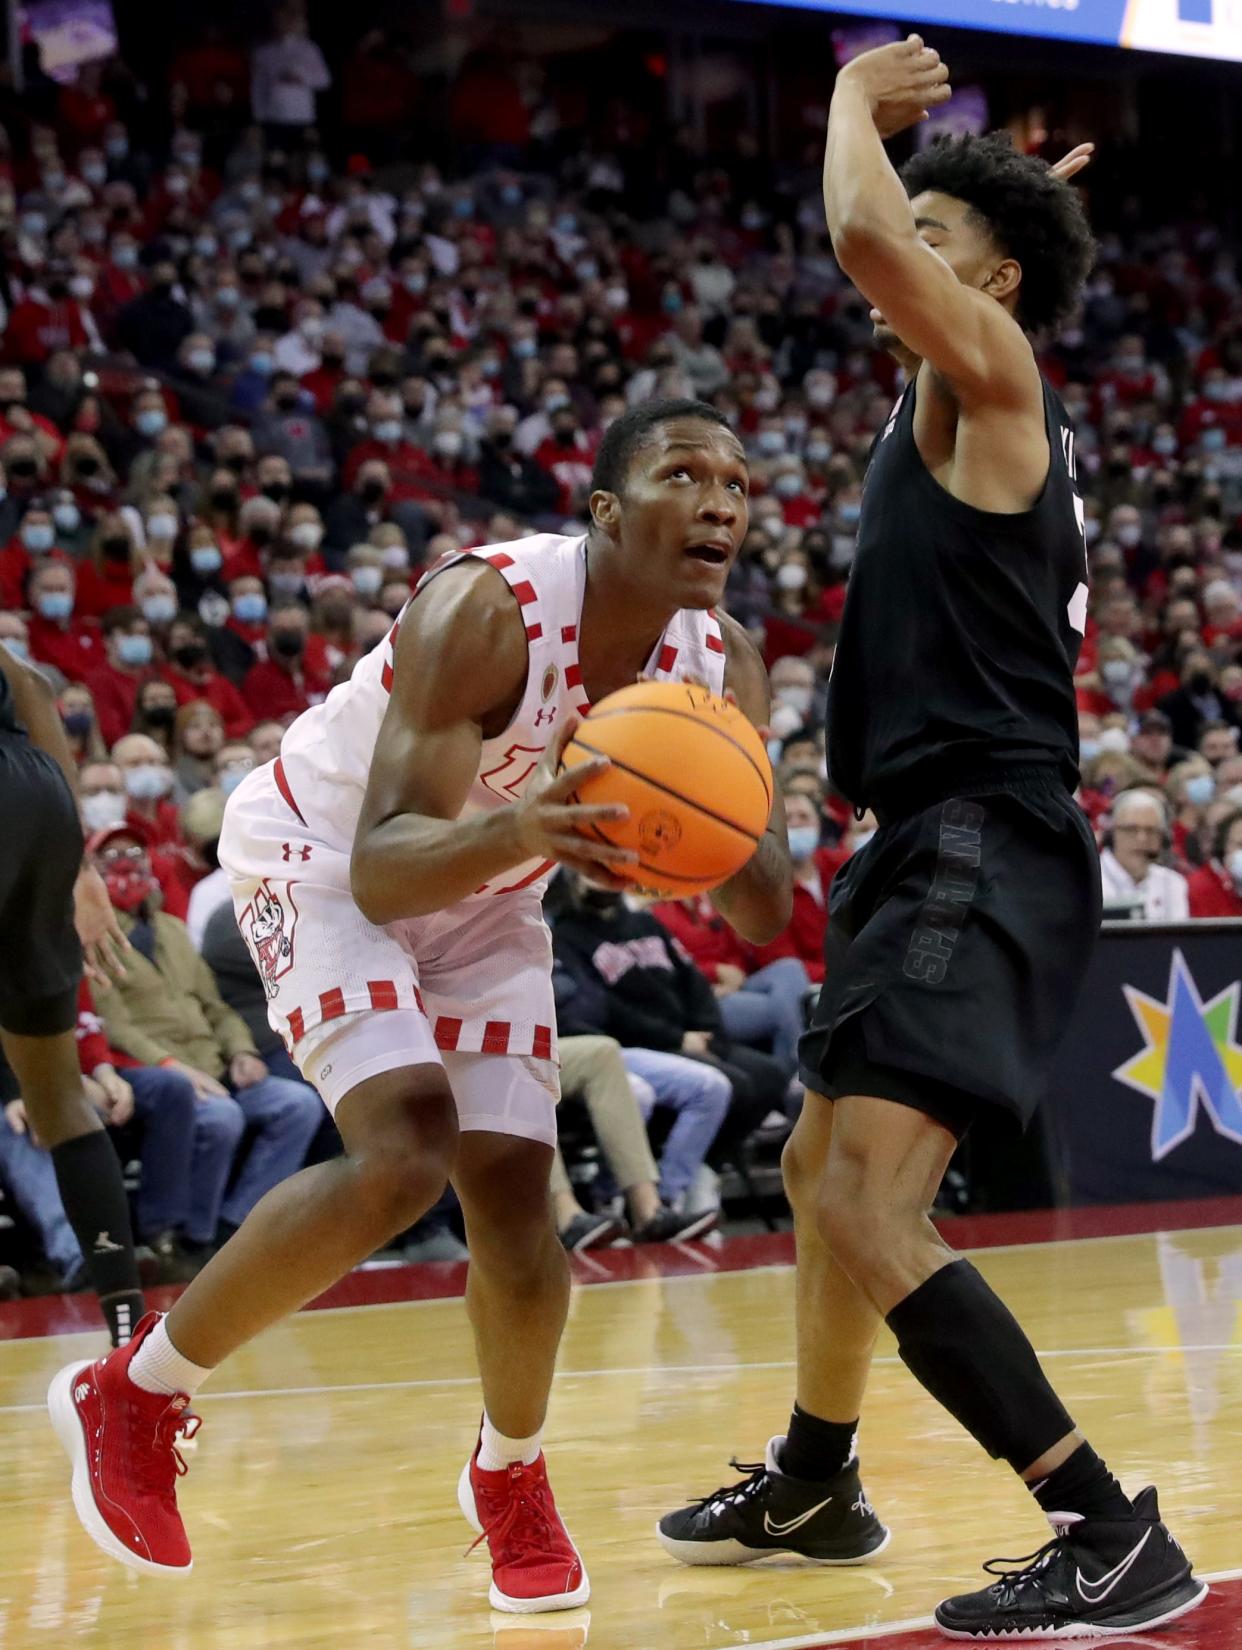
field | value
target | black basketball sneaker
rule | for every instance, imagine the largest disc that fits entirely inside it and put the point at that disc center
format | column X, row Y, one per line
column 769, row 1512
column 1094, row 1578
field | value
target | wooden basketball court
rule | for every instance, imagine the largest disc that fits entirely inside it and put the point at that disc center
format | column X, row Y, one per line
column 321, row 1499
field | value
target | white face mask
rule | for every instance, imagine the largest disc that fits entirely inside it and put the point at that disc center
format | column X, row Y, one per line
column 148, row 781
column 792, row 576
column 104, row 809
column 307, row 535
column 1234, row 866
column 797, row 698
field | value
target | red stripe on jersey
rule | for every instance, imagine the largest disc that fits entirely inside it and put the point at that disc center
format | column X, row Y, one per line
column 496, row 1037
column 526, row 881
column 500, row 559
column 715, row 645
column 282, row 785
column 331, row 1003
column 392, row 634
column 668, row 654
column 418, row 998
column 573, row 675
column 386, row 678
column 569, row 632
column 541, row 1048
column 525, row 592
column 533, row 632
column 297, row 1025
column 584, row 710
column 383, row 994
column 447, row 1032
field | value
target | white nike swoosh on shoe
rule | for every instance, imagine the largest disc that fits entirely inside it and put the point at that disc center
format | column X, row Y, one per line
column 794, row 1523
column 1095, row 1592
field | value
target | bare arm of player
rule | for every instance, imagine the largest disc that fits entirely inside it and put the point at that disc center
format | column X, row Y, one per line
column 461, row 661
column 758, row 900
column 103, row 944
column 970, row 339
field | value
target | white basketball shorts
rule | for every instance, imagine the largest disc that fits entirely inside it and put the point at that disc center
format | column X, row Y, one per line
column 351, row 1000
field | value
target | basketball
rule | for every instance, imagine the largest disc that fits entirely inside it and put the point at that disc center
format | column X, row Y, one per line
column 694, row 774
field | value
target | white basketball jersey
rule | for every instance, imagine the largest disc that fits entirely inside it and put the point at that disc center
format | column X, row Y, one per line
column 326, row 755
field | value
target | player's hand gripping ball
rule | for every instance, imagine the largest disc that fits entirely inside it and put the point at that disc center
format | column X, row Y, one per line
column 694, row 774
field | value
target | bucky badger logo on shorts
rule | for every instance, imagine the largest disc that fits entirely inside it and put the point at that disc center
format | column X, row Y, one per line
column 267, row 927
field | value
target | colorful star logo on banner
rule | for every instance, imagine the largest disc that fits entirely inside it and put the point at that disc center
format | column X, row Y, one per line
column 1190, row 1059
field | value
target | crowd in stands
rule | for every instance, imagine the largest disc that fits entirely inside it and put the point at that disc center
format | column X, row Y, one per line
column 250, row 387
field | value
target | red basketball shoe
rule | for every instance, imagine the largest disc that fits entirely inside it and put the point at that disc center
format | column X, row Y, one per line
column 535, row 1565
column 122, row 1442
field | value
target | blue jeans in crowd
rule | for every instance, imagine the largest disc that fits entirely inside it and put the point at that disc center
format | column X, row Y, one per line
column 187, row 1148
column 768, row 1005
column 700, row 1096
column 286, row 1114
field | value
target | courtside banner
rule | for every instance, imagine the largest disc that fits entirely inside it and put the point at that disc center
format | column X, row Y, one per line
column 1191, row 28
column 1146, row 1099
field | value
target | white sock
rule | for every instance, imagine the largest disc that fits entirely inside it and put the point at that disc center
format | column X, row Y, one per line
column 157, row 1366
column 497, row 1452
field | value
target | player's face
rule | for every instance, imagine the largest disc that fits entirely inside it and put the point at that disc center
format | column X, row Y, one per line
column 683, row 515
column 955, row 235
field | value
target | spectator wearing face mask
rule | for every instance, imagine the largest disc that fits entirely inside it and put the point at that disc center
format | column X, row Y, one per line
column 290, row 428
column 77, row 715
column 1135, row 884
column 153, row 326
column 58, row 635
column 567, row 456
column 242, row 639
column 129, row 661
column 107, row 579
column 192, row 676
column 814, row 868
column 103, row 803
column 33, row 545
column 1216, row 888
column 1118, row 677
column 1191, row 788
column 147, row 777
column 387, row 443
column 168, row 1012
column 155, row 713
column 252, row 381
column 1196, row 701
column 281, row 686
column 49, row 318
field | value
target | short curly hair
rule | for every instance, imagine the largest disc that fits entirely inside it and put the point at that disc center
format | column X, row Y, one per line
column 1033, row 216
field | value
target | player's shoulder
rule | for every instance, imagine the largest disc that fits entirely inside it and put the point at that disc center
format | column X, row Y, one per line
column 741, row 649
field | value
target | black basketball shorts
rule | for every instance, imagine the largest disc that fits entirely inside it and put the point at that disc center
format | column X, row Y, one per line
column 40, row 856
column 958, row 940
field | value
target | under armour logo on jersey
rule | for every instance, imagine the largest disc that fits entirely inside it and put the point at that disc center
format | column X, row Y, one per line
column 541, row 715
column 302, row 850
column 81, row 1392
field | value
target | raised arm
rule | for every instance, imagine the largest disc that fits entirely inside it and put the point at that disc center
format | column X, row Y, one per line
column 758, row 900
column 461, row 661
column 961, row 331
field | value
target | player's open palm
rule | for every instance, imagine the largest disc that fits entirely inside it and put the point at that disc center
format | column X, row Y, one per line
column 902, row 83
column 551, row 822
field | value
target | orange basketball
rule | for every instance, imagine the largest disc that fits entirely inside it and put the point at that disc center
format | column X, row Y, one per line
column 692, row 771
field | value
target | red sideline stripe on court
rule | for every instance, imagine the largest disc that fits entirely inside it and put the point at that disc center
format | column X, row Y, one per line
column 1215, row 1625
column 443, row 1280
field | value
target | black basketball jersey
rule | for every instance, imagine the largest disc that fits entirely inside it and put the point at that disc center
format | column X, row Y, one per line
column 961, row 628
